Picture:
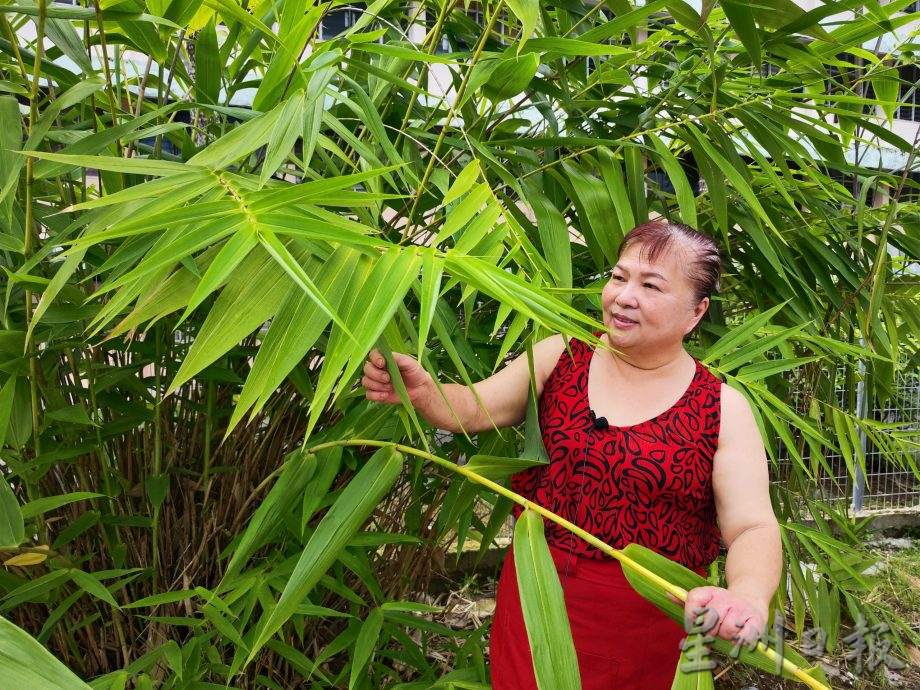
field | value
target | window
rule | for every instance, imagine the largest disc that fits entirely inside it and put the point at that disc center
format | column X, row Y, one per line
column 340, row 19
column 910, row 191
column 909, row 93
column 467, row 27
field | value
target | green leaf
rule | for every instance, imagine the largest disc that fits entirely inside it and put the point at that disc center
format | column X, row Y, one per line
column 237, row 143
column 686, row 200
column 572, row 47
column 286, row 260
column 43, row 505
column 511, row 76
column 338, row 526
column 235, row 249
column 743, row 333
column 369, row 305
column 741, row 17
column 7, row 397
column 294, row 330
column 496, row 467
column 270, row 516
column 554, row 234
column 432, row 272
column 464, row 212
column 163, row 598
column 224, row 627
column 72, row 414
column 157, row 489
column 685, row 578
column 86, row 521
column 287, row 129
column 91, row 585
column 543, row 605
column 695, row 678
column 24, row 663
column 12, row 531
column 137, row 166
column 528, row 12
column 463, row 183
column 365, row 645
column 207, row 64
column 251, row 296
column 65, row 37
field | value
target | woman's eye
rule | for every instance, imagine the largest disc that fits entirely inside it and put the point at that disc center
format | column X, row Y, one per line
column 617, row 278
column 650, row 285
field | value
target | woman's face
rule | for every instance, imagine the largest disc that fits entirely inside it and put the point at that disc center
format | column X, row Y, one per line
column 650, row 304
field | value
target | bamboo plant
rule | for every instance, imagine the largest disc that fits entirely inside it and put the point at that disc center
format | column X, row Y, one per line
column 211, row 212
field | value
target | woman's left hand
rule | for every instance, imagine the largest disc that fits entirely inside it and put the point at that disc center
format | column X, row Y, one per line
column 726, row 614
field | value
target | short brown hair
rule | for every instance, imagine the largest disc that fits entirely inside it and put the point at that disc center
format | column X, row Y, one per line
column 658, row 235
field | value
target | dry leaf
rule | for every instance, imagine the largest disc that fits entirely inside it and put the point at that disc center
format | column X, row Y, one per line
column 28, row 558
column 914, row 655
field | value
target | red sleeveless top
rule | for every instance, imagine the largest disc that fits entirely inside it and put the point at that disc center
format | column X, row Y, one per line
column 650, row 483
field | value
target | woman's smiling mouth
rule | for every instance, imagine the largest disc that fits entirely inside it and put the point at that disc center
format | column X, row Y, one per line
column 621, row 321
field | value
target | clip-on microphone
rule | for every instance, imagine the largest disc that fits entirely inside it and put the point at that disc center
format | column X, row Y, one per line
column 598, row 423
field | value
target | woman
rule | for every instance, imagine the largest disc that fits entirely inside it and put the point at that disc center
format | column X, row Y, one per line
column 645, row 446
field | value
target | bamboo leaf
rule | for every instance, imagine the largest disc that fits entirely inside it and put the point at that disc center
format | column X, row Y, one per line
column 138, row 166
column 238, row 143
column 741, row 17
column 27, row 558
column 207, row 64
column 543, row 605
column 293, row 332
column 224, row 626
column 365, row 646
column 528, row 13
column 288, row 128
column 369, row 307
column 91, row 585
column 299, row 468
column 27, row 664
column 286, row 260
column 497, row 467
column 686, row 200
column 745, row 332
column 12, row 530
column 40, row 506
column 685, row 578
column 234, row 251
column 511, row 76
column 692, row 679
column 463, row 183
column 337, row 527
column 252, row 295
column 432, row 271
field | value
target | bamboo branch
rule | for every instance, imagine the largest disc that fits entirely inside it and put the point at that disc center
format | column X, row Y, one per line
column 617, row 554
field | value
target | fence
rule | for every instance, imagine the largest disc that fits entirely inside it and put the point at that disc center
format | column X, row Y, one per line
column 885, row 487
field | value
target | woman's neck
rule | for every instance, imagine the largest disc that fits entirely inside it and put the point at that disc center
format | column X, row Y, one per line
column 661, row 362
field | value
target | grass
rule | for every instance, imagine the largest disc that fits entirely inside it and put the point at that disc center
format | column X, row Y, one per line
column 897, row 591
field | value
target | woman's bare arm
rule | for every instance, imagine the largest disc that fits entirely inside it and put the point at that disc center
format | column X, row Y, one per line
column 455, row 407
column 748, row 525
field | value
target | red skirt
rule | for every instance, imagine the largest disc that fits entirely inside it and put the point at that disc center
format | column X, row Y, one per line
column 622, row 641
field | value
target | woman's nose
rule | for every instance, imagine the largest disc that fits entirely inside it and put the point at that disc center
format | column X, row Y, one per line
column 626, row 295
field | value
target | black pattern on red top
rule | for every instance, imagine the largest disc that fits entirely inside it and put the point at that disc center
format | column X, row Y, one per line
column 650, row 483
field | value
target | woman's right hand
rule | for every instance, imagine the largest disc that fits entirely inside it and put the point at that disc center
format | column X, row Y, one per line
column 378, row 384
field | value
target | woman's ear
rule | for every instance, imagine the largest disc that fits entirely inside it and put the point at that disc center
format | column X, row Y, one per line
column 698, row 311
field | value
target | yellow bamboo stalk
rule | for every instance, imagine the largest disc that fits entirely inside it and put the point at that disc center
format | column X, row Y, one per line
column 623, row 559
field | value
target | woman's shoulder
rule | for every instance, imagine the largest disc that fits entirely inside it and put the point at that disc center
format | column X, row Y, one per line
column 549, row 353
column 736, row 408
